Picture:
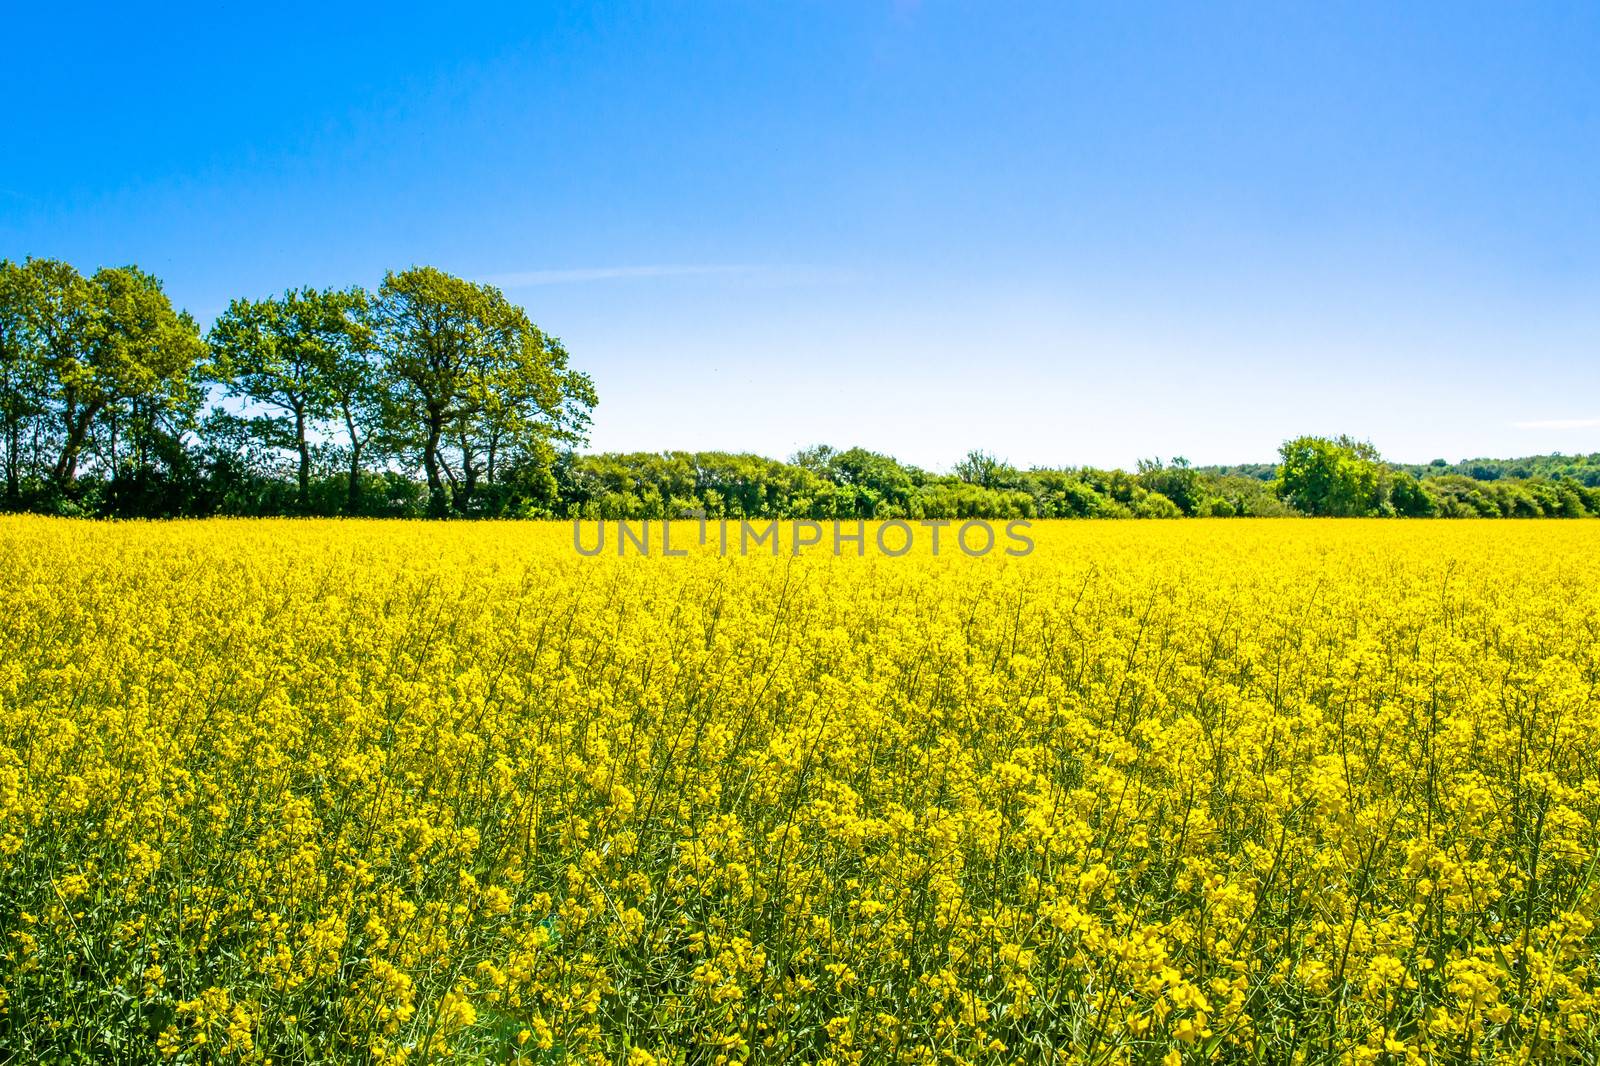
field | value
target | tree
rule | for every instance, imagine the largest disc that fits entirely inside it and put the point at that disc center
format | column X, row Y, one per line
column 1408, row 497
column 870, row 485
column 61, row 315
column 1177, row 481
column 981, row 468
column 303, row 357
column 21, row 372
column 816, row 458
column 112, row 349
column 1330, row 476
column 354, row 392
column 468, row 373
column 531, row 403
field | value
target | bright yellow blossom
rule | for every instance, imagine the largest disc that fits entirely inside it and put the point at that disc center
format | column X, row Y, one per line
column 1268, row 791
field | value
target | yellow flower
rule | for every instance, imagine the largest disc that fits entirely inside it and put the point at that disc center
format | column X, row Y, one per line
column 401, row 791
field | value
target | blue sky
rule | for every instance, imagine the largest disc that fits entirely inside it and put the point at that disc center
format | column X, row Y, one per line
column 1061, row 233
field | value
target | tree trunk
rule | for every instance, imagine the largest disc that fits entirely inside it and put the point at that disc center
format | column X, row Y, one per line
column 13, row 462
column 353, row 500
column 455, row 486
column 77, row 429
column 305, row 456
column 430, row 462
column 469, row 477
column 114, row 428
column 142, row 451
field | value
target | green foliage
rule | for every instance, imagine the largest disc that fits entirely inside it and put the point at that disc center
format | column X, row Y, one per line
column 1584, row 469
column 471, row 380
column 1408, row 497
column 300, row 356
column 1323, row 476
column 101, row 366
column 983, row 469
column 1176, row 481
column 22, row 383
column 1458, row 496
column 332, row 401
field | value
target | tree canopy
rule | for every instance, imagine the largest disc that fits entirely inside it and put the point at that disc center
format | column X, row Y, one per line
column 438, row 395
column 300, row 357
column 474, row 383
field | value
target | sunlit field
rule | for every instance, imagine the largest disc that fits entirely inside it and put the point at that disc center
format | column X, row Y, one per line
column 1252, row 791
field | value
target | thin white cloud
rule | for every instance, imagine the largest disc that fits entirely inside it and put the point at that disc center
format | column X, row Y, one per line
column 1560, row 423
column 754, row 275
column 527, row 278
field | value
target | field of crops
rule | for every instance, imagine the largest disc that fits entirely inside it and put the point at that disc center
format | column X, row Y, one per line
column 1270, row 791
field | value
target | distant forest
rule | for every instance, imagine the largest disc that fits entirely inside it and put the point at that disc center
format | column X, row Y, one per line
column 436, row 396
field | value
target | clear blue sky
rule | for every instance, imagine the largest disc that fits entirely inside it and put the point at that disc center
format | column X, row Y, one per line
column 1063, row 234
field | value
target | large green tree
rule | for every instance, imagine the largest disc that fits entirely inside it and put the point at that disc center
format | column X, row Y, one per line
column 1330, row 476
column 472, row 378
column 870, row 485
column 303, row 357
column 354, row 391
column 112, row 352
column 22, row 396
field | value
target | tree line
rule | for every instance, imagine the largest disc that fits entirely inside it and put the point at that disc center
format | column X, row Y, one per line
column 1345, row 477
column 115, row 403
column 1315, row 476
column 435, row 396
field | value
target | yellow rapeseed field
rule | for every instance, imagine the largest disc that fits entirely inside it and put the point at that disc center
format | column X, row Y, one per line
column 1272, row 791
